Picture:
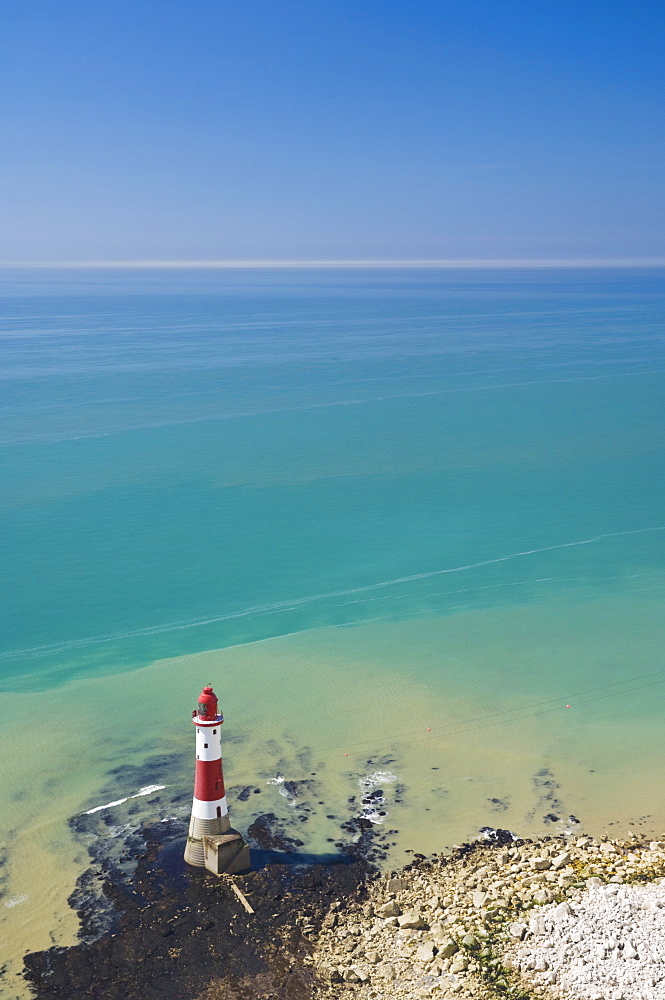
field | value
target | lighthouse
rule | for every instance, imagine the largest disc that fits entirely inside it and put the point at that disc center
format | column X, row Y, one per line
column 211, row 842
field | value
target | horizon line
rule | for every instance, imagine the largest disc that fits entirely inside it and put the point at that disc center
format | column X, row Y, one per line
column 453, row 263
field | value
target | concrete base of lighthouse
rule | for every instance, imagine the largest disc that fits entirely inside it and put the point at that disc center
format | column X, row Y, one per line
column 212, row 844
column 227, row 854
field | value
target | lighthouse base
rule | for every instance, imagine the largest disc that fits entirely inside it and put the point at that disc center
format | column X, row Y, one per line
column 227, row 854
column 212, row 844
column 200, row 828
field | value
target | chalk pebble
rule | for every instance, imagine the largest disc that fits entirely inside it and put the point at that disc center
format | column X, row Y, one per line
column 611, row 939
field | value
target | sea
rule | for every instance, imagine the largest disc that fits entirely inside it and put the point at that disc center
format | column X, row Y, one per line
column 407, row 522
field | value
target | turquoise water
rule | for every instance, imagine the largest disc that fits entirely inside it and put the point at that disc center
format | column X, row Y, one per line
column 400, row 519
column 198, row 460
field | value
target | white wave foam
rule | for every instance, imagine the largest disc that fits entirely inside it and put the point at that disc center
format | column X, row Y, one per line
column 107, row 805
column 16, row 900
column 377, row 778
column 285, row 792
column 146, row 790
column 119, row 831
column 371, row 803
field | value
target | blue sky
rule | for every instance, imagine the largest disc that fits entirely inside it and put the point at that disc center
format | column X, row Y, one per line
column 317, row 129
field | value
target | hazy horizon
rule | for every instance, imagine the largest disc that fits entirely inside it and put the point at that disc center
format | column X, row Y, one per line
column 306, row 132
column 452, row 263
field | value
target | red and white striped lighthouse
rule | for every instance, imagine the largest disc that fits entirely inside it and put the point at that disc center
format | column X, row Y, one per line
column 210, row 815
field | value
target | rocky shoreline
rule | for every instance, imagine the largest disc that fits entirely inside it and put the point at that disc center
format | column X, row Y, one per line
column 507, row 918
column 561, row 917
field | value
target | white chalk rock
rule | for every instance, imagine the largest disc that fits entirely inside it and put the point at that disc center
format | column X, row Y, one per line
column 448, row 948
column 389, row 909
column 561, row 860
column 438, row 932
column 629, row 950
column 425, row 952
column 411, row 919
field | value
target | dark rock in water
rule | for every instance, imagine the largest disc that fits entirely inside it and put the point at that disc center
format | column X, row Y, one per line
column 155, row 768
column 501, row 837
column 267, row 832
column 182, row 934
column 94, row 908
column 551, row 818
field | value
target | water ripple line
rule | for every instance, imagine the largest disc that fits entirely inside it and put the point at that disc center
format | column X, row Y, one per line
column 291, row 605
column 361, row 401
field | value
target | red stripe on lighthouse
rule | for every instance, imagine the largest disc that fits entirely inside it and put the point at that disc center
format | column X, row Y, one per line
column 208, row 780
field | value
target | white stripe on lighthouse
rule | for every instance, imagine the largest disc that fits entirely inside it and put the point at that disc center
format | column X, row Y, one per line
column 208, row 744
column 208, row 810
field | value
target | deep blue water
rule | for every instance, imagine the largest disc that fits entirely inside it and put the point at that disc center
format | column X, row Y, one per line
column 197, row 459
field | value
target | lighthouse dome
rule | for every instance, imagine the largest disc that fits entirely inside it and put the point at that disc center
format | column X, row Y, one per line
column 207, row 703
